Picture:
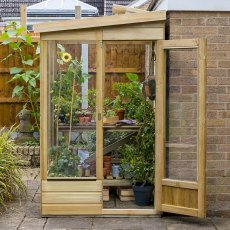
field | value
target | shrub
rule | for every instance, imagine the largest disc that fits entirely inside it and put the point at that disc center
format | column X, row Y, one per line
column 11, row 184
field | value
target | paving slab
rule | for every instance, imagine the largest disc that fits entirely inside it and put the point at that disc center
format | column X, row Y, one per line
column 33, row 224
column 221, row 223
column 68, row 223
column 37, row 198
column 190, row 226
column 32, row 210
column 126, row 223
column 11, row 221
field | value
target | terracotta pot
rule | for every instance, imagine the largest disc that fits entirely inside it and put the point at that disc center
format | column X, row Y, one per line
column 108, row 172
column 107, row 165
column 107, row 158
column 121, row 114
column 104, row 171
column 84, row 120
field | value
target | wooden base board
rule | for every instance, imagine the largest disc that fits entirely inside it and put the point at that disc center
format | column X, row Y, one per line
column 131, row 212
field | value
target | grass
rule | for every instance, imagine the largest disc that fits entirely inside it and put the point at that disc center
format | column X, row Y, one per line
column 11, row 184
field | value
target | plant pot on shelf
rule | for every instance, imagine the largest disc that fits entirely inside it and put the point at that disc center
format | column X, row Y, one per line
column 143, row 194
column 83, row 120
column 84, row 117
column 121, row 114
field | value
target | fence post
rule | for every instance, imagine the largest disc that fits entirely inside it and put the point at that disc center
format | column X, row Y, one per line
column 23, row 17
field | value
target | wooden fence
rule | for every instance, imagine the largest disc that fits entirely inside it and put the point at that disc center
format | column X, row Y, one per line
column 120, row 59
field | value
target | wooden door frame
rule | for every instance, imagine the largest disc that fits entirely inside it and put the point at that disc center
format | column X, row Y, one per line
column 160, row 179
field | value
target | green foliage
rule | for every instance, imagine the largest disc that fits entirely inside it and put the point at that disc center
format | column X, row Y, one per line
column 139, row 155
column 11, row 185
column 63, row 162
column 131, row 93
column 26, row 79
column 62, row 87
column 31, row 143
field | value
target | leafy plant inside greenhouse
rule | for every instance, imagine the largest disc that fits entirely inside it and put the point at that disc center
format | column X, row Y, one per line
column 63, row 162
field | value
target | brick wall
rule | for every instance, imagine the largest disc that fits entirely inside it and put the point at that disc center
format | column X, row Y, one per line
column 215, row 26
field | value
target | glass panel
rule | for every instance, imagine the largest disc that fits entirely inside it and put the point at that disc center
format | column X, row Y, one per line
column 128, row 123
column 72, row 144
column 181, row 116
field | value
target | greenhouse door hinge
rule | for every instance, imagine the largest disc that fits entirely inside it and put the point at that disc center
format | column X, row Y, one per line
column 99, row 116
column 101, row 44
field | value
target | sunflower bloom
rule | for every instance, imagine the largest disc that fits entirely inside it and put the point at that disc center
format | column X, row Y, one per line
column 66, row 57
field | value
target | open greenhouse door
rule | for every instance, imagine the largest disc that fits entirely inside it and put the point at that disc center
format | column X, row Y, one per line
column 180, row 185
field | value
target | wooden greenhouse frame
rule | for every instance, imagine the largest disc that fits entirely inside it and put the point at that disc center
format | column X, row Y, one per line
column 74, row 197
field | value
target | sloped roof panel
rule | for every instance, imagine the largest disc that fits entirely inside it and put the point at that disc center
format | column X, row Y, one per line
column 114, row 20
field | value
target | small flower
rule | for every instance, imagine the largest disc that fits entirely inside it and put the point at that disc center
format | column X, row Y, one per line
column 66, row 57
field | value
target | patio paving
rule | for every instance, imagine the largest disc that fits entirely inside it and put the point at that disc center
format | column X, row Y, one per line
column 25, row 215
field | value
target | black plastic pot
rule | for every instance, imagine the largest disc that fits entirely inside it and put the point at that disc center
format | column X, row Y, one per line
column 143, row 194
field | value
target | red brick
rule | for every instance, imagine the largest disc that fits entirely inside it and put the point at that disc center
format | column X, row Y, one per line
column 216, row 123
column 212, row 81
column 176, row 21
column 215, row 172
column 223, row 81
column 192, row 22
column 224, row 47
column 224, row 30
column 211, row 148
column 224, row 97
column 212, row 131
column 217, row 72
column 211, row 197
column 216, row 140
column 212, row 64
column 223, row 197
column 228, row 156
column 223, row 131
column 204, row 30
column 212, row 97
column 213, row 47
column 218, row 189
column 224, row 64
column 217, row 39
column 224, row 114
column 217, row 55
column 212, row 114
column 216, row 156
column 217, row 89
column 223, row 148
column 215, row 106
column 217, row 21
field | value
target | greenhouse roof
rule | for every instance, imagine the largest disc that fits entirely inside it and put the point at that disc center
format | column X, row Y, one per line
column 114, row 20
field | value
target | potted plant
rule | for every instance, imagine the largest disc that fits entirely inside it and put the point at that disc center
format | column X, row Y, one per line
column 138, row 157
column 118, row 106
column 84, row 116
column 129, row 96
column 109, row 113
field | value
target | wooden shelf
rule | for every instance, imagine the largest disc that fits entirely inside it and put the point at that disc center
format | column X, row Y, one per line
column 71, row 178
column 92, row 126
column 121, row 127
column 116, row 182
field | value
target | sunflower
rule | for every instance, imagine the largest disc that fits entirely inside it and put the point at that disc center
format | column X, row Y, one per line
column 66, row 57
